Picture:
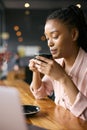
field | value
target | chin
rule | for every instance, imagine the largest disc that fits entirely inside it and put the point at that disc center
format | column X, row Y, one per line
column 56, row 57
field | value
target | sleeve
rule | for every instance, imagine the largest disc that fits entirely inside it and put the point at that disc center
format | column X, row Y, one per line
column 79, row 108
column 45, row 89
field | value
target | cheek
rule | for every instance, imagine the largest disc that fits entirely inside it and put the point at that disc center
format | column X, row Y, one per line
column 65, row 41
column 63, row 44
column 59, row 42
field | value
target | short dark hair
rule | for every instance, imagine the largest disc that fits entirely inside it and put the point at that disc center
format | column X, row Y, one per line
column 73, row 16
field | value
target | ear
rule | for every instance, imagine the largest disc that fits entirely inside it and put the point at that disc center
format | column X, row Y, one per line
column 75, row 34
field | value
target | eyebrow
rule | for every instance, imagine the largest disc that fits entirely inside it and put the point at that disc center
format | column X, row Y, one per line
column 52, row 32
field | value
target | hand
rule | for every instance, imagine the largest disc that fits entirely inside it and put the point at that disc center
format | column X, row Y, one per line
column 49, row 67
column 32, row 66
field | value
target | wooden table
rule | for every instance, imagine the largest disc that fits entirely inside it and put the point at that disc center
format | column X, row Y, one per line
column 19, row 74
column 51, row 116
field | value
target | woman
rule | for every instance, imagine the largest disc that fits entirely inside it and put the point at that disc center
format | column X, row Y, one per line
column 66, row 73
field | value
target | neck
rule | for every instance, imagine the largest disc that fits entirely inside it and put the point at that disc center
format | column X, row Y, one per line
column 68, row 62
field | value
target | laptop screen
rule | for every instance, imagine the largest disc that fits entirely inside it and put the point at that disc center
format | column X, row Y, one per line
column 11, row 114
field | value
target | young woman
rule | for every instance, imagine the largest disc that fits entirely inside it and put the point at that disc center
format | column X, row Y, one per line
column 66, row 73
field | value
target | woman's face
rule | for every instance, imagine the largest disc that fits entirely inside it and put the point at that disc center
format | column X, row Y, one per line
column 59, row 38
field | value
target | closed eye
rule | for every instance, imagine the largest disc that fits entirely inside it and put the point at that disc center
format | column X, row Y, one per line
column 55, row 37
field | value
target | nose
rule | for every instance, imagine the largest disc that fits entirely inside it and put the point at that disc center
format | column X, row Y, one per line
column 50, row 43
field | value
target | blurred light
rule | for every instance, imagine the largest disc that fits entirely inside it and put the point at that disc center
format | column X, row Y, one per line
column 18, row 33
column 16, row 28
column 43, row 38
column 5, row 35
column 20, row 39
column 78, row 5
column 27, row 12
column 27, row 5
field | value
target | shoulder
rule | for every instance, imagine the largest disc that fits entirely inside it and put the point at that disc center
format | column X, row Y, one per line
column 82, row 61
column 83, row 54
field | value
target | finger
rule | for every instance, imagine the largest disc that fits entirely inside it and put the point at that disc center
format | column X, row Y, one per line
column 42, row 69
column 46, row 60
column 41, row 63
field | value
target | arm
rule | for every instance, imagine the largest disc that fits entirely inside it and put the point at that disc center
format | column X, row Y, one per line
column 77, row 99
column 39, row 87
column 69, row 87
column 56, row 72
column 79, row 108
column 36, row 79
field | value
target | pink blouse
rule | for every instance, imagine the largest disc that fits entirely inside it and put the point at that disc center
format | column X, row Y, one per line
column 78, row 73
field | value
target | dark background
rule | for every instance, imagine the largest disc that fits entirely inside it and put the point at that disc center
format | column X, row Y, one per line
column 32, row 25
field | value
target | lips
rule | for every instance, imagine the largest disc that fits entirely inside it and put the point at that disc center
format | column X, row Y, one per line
column 53, row 51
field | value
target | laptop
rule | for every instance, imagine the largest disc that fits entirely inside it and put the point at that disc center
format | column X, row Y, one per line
column 11, row 112
column 11, row 115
